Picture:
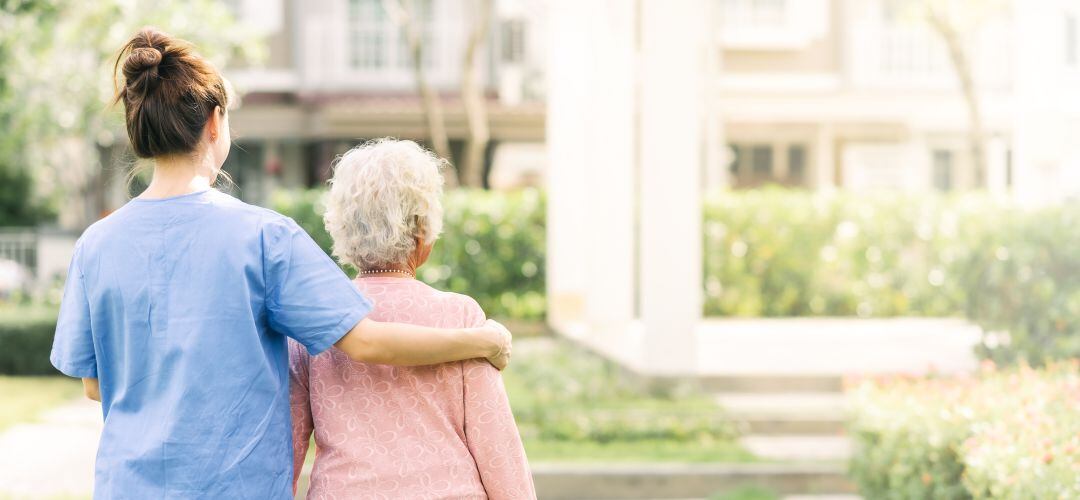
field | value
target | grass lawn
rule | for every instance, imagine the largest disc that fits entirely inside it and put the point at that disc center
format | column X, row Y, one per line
column 539, row 450
column 746, row 493
column 25, row 398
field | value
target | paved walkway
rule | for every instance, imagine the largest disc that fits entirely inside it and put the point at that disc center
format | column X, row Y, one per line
column 53, row 457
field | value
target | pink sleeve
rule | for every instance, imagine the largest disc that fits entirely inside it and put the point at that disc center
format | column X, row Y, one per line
column 490, row 431
column 299, row 403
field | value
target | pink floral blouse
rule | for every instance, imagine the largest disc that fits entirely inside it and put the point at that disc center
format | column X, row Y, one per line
column 385, row 432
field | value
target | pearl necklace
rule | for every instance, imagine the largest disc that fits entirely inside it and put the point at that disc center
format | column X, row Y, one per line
column 370, row 272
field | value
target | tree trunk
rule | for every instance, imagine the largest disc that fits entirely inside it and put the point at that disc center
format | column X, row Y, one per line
column 403, row 16
column 472, row 98
column 962, row 65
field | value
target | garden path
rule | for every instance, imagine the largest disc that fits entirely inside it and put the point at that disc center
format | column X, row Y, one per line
column 53, row 457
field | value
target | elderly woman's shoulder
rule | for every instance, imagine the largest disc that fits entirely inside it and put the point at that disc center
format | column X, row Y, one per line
column 468, row 306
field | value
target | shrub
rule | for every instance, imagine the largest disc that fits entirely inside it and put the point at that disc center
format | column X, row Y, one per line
column 26, row 334
column 1022, row 277
column 1013, row 271
column 492, row 247
column 1010, row 434
column 778, row 252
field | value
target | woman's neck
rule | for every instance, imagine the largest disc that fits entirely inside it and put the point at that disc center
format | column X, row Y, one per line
column 392, row 270
column 176, row 176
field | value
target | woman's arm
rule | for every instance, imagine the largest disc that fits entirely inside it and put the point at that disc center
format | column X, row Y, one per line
column 300, row 404
column 91, row 389
column 411, row 345
column 492, row 436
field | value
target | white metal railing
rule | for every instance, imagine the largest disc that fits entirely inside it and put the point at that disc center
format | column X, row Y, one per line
column 908, row 53
column 913, row 52
column 21, row 246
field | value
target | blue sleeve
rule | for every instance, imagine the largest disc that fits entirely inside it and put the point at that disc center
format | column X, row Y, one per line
column 308, row 297
column 73, row 345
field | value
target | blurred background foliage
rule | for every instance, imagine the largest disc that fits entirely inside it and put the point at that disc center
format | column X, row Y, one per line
column 1013, row 433
column 1013, row 271
column 56, row 67
column 779, row 253
column 492, row 246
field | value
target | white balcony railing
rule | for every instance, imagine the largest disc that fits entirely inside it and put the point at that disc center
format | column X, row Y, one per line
column 770, row 24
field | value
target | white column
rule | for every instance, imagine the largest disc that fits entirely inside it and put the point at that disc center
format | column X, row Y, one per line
column 671, row 143
column 717, row 157
column 609, row 219
column 567, row 94
column 591, row 189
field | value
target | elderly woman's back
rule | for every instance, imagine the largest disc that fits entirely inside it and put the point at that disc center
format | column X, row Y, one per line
column 443, row 431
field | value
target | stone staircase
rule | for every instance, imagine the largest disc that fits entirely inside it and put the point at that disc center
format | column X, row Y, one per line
column 794, row 423
column 801, row 420
column 781, row 378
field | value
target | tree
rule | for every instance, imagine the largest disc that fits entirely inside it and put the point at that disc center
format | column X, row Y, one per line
column 56, row 57
column 955, row 21
column 404, row 15
column 472, row 98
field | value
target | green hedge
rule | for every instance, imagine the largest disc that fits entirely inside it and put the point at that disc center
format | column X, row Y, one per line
column 1013, row 271
column 1011, row 434
column 26, row 335
column 778, row 252
column 492, row 247
column 775, row 252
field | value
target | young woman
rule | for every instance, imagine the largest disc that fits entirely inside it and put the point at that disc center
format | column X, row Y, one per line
column 385, row 432
column 177, row 306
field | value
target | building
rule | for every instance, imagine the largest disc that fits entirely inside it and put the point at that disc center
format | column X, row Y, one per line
column 338, row 72
column 650, row 103
column 862, row 94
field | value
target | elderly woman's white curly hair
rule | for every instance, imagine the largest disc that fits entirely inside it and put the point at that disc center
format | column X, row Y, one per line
column 384, row 193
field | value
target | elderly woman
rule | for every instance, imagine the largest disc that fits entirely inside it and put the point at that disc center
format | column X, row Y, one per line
column 442, row 431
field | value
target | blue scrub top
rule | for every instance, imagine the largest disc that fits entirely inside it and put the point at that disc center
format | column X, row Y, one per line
column 180, row 307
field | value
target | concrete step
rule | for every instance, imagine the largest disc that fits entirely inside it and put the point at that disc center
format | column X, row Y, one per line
column 786, row 413
column 774, row 384
column 799, row 448
column 676, row 481
column 823, row 497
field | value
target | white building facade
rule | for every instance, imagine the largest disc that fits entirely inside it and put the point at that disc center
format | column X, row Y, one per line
column 861, row 94
column 652, row 103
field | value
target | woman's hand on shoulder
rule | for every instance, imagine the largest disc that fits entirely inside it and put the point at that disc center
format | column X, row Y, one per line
column 503, row 338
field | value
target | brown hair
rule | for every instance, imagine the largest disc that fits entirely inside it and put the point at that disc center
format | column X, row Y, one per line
column 168, row 91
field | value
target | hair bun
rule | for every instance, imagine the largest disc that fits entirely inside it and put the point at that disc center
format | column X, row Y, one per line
column 142, row 62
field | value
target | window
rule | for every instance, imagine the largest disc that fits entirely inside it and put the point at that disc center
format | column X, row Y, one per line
column 759, row 163
column 513, row 41
column 367, row 36
column 753, row 13
column 796, row 165
column 377, row 42
column 1072, row 40
column 943, row 170
column 906, row 47
column 761, row 160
